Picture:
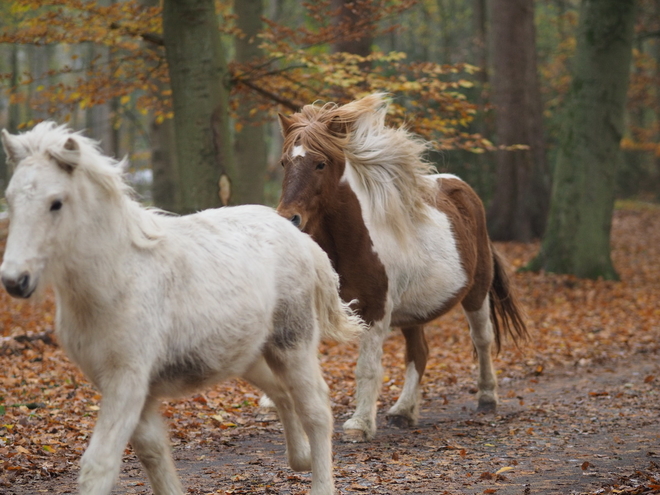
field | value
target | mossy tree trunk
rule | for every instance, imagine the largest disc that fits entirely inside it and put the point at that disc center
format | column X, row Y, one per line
column 577, row 240
column 200, row 94
column 250, row 140
column 519, row 207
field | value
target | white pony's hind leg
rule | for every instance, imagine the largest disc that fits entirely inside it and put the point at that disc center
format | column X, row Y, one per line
column 151, row 445
column 297, row 445
column 300, row 371
column 481, row 331
column 361, row 427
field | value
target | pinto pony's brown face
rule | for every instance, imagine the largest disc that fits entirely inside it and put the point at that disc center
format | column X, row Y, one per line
column 313, row 162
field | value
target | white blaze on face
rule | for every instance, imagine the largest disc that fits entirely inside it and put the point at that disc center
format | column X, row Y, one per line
column 298, row 151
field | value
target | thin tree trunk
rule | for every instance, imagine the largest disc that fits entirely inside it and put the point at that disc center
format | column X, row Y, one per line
column 165, row 186
column 200, row 95
column 578, row 237
column 165, row 190
column 250, row 140
column 519, row 206
column 348, row 14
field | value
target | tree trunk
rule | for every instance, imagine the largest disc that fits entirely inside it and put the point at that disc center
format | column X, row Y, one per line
column 200, row 96
column 165, row 186
column 250, row 140
column 578, row 237
column 165, row 189
column 519, row 207
column 350, row 16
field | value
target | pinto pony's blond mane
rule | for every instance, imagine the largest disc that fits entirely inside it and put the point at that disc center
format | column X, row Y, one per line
column 388, row 162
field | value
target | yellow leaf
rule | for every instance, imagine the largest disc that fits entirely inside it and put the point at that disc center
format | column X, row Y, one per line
column 48, row 448
column 124, row 99
column 503, row 470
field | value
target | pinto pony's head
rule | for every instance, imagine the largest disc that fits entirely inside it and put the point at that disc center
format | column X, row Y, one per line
column 317, row 143
column 330, row 147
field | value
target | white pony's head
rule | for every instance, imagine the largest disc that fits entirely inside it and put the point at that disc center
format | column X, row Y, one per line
column 40, row 196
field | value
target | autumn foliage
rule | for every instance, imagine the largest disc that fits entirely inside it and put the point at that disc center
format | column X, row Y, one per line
column 297, row 67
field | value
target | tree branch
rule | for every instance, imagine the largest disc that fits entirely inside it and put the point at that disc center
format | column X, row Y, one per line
column 271, row 96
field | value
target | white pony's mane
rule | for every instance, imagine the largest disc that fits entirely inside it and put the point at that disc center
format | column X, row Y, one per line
column 389, row 163
column 49, row 139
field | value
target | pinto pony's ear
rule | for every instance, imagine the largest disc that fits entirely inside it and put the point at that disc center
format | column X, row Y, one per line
column 338, row 127
column 14, row 150
column 67, row 157
column 285, row 123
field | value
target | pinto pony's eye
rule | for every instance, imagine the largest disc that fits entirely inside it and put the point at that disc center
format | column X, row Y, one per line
column 320, row 166
column 56, row 205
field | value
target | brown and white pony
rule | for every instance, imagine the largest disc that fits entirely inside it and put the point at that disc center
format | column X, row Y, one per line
column 408, row 245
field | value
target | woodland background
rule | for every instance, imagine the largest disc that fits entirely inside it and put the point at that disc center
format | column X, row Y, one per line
column 495, row 84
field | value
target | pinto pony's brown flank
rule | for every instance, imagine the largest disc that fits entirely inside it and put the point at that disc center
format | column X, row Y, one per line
column 505, row 312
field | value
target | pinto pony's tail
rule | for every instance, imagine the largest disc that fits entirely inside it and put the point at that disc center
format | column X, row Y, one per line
column 337, row 320
column 505, row 311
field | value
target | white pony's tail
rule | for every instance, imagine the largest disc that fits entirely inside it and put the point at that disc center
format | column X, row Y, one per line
column 336, row 318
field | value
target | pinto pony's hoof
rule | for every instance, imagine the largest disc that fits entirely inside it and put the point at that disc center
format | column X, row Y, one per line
column 486, row 407
column 354, row 436
column 398, row 421
column 266, row 415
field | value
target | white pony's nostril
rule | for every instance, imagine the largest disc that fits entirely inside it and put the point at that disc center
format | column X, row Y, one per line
column 24, row 282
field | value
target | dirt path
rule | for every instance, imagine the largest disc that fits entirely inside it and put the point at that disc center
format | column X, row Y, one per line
column 575, row 430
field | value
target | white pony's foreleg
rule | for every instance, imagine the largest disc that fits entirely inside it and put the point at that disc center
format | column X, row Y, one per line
column 300, row 371
column 481, row 331
column 150, row 442
column 297, row 445
column 361, row 427
column 121, row 406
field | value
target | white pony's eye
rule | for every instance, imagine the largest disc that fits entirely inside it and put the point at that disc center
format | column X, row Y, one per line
column 56, row 205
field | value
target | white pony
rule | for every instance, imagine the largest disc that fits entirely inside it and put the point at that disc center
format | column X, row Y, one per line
column 151, row 305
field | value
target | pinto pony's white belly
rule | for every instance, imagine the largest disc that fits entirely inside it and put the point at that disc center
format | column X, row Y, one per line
column 424, row 272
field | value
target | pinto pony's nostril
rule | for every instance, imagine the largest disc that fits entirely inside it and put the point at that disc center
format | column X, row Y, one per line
column 296, row 220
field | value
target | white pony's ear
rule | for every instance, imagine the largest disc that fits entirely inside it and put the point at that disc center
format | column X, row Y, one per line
column 68, row 157
column 14, row 150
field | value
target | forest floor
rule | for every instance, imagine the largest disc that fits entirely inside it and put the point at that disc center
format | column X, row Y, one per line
column 579, row 413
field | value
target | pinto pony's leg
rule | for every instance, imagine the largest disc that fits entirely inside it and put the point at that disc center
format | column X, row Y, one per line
column 361, row 427
column 405, row 412
column 123, row 399
column 483, row 337
column 297, row 445
column 299, row 370
column 150, row 443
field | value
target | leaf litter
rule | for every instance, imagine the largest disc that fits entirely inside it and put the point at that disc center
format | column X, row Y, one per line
column 579, row 403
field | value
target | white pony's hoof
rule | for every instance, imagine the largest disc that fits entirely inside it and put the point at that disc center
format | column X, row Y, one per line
column 487, row 404
column 357, row 431
column 354, row 436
